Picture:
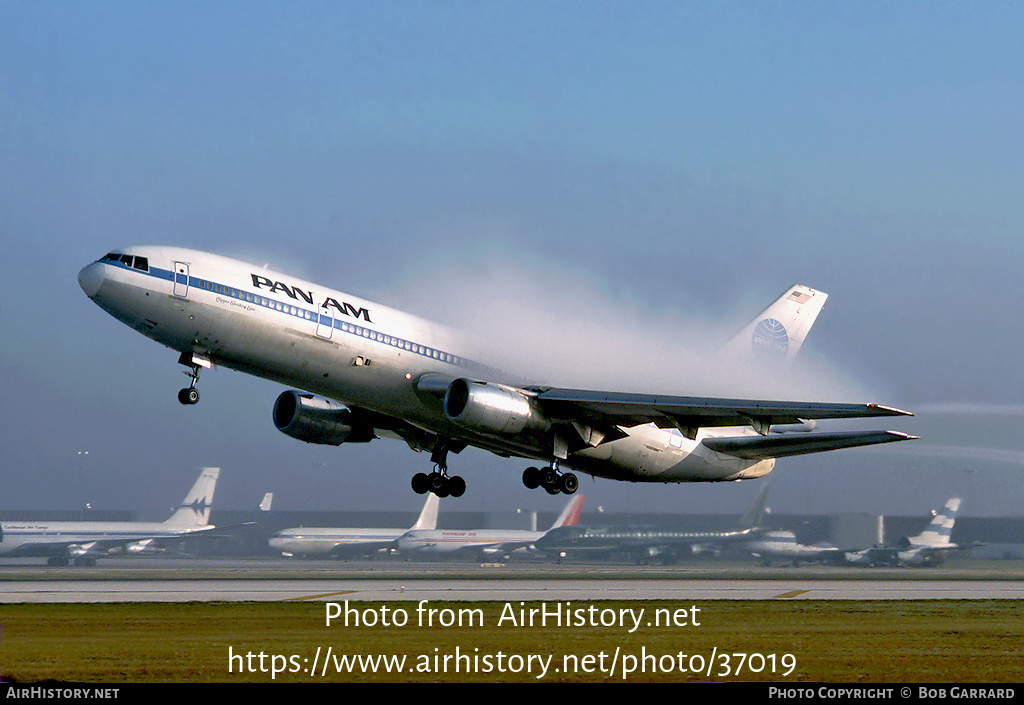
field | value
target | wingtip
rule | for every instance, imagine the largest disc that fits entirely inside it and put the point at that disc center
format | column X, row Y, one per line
column 889, row 410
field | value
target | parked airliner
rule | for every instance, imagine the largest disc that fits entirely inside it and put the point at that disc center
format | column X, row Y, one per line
column 345, row 542
column 368, row 371
column 84, row 541
column 929, row 548
column 645, row 543
column 782, row 545
column 483, row 543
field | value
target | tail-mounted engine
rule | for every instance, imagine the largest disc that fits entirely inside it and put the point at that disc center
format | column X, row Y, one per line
column 315, row 419
column 491, row 408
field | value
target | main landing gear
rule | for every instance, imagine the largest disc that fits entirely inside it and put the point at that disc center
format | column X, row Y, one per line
column 190, row 395
column 438, row 481
column 550, row 479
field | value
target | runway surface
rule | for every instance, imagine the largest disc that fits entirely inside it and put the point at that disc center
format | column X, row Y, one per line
column 503, row 590
column 236, row 581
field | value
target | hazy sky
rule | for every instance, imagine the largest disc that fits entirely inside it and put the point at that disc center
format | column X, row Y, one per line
column 592, row 176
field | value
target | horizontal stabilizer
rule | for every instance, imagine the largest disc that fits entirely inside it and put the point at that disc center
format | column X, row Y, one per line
column 763, row 447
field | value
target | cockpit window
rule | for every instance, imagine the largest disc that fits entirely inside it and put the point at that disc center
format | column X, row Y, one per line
column 140, row 263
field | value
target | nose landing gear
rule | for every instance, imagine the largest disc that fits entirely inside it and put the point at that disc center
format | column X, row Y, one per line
column 190, row 395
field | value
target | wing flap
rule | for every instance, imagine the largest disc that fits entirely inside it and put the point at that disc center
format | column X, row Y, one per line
column 600, row 408
column 762, row 448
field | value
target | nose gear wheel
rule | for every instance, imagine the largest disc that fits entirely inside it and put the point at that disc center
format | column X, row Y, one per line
column 190, row 395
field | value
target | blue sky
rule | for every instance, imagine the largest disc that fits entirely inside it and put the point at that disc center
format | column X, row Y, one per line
column 673, row 165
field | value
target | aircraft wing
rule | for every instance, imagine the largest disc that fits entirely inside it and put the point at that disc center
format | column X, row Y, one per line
column 878, row 555
column 104, row 546
column 604, row 410
column 367, row 548
column 502, row 549
column 49, row 548
column 762, row 447
column 84, row 546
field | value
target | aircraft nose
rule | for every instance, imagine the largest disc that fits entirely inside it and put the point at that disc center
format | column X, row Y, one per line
column 91, row 278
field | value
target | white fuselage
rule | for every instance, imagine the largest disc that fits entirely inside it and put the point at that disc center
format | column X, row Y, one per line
column 360, row 353
column 77, row 538
column 315, row 541
column 783, row 544
column 447, row 541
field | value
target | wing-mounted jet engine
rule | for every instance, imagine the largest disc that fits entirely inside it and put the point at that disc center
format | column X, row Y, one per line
column 492, row 408
column 314, row 419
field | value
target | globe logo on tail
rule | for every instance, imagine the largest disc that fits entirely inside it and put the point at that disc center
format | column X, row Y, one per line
column 770, row 341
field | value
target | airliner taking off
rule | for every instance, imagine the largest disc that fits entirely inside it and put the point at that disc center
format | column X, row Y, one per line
column 368, row 371
column 84, row 541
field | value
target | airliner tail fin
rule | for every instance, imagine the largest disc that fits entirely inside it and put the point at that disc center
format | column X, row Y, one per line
column 195, row 508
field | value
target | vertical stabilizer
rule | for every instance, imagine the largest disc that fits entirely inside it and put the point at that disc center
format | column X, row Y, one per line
column 195, row 509
column 570, row 516
column 752, row 517
column 940, row 528
column 777, row 334
column 428, row 515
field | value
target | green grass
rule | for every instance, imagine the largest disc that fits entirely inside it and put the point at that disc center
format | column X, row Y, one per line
column 834, row 641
